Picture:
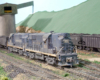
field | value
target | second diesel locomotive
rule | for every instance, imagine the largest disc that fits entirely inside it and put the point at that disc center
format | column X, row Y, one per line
column 54, row 48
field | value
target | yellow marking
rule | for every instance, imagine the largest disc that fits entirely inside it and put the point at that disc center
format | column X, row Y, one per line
column 14, row 46
column 34, row 51
column 41, row 52
column 8, row 11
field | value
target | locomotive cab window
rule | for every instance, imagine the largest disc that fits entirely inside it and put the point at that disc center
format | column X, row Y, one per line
column 8, row 9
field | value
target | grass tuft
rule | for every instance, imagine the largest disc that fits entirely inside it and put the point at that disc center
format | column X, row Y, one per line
column 65, row 75
column 2, row 72
column 41, row 65
column 80, row 65
column 86, row 68
column 12, row 55
column 3, row 77
column 87, row 60
column 96, row 62
column 90, row 54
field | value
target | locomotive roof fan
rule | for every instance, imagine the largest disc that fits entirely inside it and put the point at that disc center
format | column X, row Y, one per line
column 7, row 17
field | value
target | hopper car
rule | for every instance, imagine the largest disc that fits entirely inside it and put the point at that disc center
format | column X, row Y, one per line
column 86, row 41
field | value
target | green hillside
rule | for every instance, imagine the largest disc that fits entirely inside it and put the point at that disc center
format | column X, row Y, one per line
column 83, row 18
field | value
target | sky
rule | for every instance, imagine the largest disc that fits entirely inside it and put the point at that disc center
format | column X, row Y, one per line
column 41, row 5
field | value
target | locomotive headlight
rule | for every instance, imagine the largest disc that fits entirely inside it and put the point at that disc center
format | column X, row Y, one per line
column 66, row 41
column 69, row 59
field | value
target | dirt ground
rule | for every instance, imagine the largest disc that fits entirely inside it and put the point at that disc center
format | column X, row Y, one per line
column 89, row 57
column 15, row 73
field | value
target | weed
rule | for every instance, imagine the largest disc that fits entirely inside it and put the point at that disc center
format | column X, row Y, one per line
column 28, row 61
column 3, row 77
column 65, row 75
column 34, row 78
column 90, row 54
column 87, row 60
column 2, row 72
column 81, row 54
column 96, row 62
column 93, row 62
column 80, row 65
column 56, row 72
column 2, row 51
column 12, row 55
column 86, row 68
column 41, row 65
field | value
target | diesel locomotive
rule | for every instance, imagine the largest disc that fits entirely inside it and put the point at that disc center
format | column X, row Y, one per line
column 54, row 48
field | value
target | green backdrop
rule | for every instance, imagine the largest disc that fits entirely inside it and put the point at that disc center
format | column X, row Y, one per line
column 83, row 18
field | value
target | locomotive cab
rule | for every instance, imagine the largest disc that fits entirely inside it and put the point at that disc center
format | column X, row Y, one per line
column 65, row 50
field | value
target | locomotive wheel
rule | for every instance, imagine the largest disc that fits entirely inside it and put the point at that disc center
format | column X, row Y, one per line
column 31, row 55
column 51, row 60
column 80, row 47
column 99, row 49
column 71, row 66
column 26, row 54
column 0, row 46
column 91, row 49
column 88, row 49
column 5, row 47
column 10, row 49
column 20, row 52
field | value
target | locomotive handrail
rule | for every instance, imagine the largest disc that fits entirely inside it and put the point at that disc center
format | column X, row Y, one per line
column 59, row 51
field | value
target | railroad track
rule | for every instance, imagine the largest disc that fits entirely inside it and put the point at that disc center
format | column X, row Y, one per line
column 30, row 68
column 87, row 74
column 82, row 74
column 90, row 65
column 88, row 71
column 96, row 65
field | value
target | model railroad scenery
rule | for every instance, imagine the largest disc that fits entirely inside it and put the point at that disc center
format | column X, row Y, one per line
column 61, row 45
